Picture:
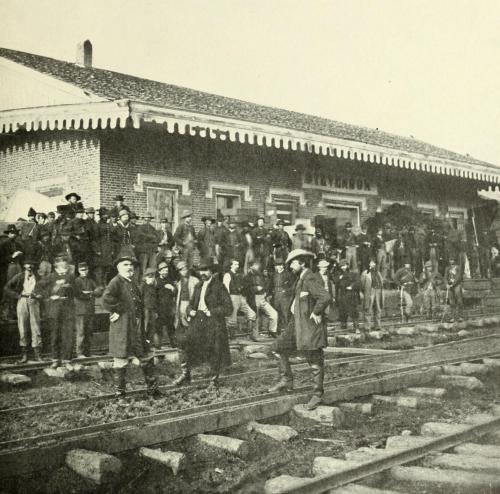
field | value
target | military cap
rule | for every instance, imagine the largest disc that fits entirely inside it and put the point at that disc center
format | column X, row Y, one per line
column 300, row 227
column 90, row 210
column 103, row 211
column 123, row 212
column 83, row 265
column 51, row 214
column 72, row 194
column 31, row 262
column 206, row 266
column 31, row 212
column 118, row 197
column 298, row 253
column 186, row 213
column 162, row 264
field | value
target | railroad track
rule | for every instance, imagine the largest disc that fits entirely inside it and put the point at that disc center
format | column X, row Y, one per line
column 21, row 456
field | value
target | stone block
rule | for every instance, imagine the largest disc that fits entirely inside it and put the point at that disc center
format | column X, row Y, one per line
column 14, row 379
column 405, row 442
column 467, row 382
column 435, row 429
column 444, row 476
column 228, row 444
column 282, row 483
column 487, row 450
column 280, row 433
column 406, row 331
column 258, row 356
column 429, row 392
column 479, row 418
column 360, row 489
column 60, row 372
column 400, row 401
column 376, row 335
column 362, row 455
column 323, row 465
column 105, row 365
column 463, row 462
column 364, row 408
column 249, row 349
column 463, row 333
column 171, row 356
column 172, row 459
column 493, row 363
column 93, row 465
column 469, row 369
column 324, row 415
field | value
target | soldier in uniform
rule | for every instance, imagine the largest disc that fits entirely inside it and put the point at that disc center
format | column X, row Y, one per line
column 430, row 282
column 326, row 278
column 319, row 245
column 184, row 291
column 105, row 253
column 124, row 236
column 233, row 248
column 365, row 247
column 453, row 277
column 93, row 237
column 73, row 204
column 165, row 289
column 79, row 240
column 281, row 241
column 347, row 285
column 256, row 291
column 233, row 281
column 184, row 238
column 379, row 253
column 220, row 239
column 147, row 238
column 262, row 243
column 432, row 251
column 30, row 230
column 372, row 288
column 407, row 282
column 127, row 338
column 306, row 331
column 206, row 241
column 350, row 246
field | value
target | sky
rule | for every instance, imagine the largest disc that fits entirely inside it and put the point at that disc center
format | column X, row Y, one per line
column 423, row 68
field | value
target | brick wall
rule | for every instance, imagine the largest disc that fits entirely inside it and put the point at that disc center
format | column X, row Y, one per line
column 32, row 159
column 125, row 153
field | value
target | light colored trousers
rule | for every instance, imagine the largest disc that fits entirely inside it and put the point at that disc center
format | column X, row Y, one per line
column 373, row 307
column 263, row 305
column 240, row 303
column 28, row 316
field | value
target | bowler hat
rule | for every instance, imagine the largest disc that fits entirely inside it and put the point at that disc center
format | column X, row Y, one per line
column 103, row 211
column 185, row 214
column 11, row 229
column 83, row 265
column 149, row 272
column 72, row 194
column 31, row 212
column 298, row 253
column 118, row 197
column 206, row 266
column 300, row 227
column 120, row 259
column 90, row 210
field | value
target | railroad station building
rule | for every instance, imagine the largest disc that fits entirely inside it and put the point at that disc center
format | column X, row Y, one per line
column 69, row 126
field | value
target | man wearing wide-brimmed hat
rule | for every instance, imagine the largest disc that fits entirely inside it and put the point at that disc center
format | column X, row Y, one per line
column 127, row 338
column 119, row 206
column 185, row 237
column 24, row 288
column 306, row 331
column 147, row 238
column 206, row 337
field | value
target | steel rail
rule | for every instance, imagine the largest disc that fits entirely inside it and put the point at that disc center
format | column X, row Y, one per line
column 17, row 443
column 326, row 482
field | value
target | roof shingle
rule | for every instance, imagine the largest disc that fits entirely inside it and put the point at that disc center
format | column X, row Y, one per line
column 114, row 85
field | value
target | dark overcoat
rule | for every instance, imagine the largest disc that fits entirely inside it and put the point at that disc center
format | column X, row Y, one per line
column 207, row 338
column 310, row 297
column 126, row 336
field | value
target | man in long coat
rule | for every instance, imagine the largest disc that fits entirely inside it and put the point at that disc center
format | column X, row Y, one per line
column 127, row 338
column 306, row 331
column 205, row 339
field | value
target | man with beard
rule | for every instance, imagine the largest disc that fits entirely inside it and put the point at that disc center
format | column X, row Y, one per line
column 206, row 241
column 281, row 240
column 127, row 338
column 319, row 245
column 24, row 287
column 184, row 238
column 281, row 292
column 165, row 293
column 206, row 337
column 124, row 235
column 306, row 331
column 347, row 286
column 147, row 243
column 262, row 243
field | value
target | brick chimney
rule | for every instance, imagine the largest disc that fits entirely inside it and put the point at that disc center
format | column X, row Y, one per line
column 84, row 54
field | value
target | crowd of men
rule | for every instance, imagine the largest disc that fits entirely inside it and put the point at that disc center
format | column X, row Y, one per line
column 57, row 264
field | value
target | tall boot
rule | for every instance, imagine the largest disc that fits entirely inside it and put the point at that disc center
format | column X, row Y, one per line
column 253, row 330
column 185, row 377
column 285, row 373
column 24, row 353
column 318, row 375
column 151, row 380
column 38, row 356
column 119, row 374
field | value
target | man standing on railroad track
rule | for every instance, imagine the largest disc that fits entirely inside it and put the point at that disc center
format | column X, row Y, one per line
column 306, row 331
column 205, row 339
column 127, row 338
